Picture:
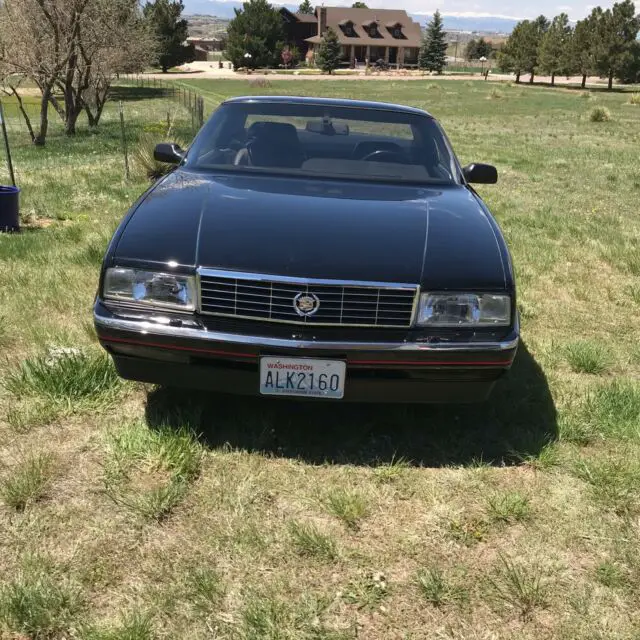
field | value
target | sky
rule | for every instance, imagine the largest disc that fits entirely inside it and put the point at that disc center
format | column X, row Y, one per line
column 576, row 9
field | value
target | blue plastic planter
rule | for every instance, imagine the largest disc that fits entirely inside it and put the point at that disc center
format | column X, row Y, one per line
column 9, row 209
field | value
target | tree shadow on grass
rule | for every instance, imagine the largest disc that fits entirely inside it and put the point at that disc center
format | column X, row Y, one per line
column 516, row 422
column 134, row 93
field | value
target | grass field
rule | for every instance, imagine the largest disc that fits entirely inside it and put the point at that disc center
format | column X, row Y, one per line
column 132, row 512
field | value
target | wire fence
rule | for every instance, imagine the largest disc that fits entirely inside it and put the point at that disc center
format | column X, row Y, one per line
column 188, row 98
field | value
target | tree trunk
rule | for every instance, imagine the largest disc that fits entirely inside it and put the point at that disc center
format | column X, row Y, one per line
column 553, row 79
column 165, row 69
column 531, row 78
column 41, row 137
column 584, row 80
column 24, row 113
column 518, row 78
column 610, row 85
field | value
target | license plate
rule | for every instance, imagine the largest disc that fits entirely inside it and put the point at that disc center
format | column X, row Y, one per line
column 306, row 377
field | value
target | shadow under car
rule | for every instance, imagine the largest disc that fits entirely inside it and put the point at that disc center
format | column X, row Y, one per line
column 517, row 421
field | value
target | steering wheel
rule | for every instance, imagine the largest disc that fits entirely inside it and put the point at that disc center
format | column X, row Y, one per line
column 385, row 155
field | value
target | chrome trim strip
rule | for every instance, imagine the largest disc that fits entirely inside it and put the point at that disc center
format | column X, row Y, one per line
column 262, row 277
column 242, row 275
column 152, row 328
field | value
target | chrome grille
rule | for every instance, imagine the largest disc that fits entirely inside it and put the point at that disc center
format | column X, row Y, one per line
column 271, row 298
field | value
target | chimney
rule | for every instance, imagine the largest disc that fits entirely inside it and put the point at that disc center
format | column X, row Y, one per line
column 322, row 20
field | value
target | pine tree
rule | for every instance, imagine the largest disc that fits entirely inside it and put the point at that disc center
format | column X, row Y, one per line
column 329, row 52
column 582, row 59
column 520, row 53
column 616, row 30
column 306, row 7
column 164, row 17
column 256, row 30
column 554, row 54
column 433, row 52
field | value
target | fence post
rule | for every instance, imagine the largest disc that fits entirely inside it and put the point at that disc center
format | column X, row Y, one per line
column 6, row 145
column 124, row 142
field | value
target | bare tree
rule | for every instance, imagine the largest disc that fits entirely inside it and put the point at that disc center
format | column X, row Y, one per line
column 72, row 50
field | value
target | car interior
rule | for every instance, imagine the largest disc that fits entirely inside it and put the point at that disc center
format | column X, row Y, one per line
column 324, row 147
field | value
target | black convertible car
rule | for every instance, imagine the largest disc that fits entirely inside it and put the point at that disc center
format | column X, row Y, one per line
column 313, row 247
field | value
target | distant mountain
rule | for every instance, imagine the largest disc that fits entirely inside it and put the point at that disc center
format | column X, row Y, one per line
column 488, row 24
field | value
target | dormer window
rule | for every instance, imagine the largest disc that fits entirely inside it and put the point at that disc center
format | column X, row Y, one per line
column 371, row 27
column 395, row 29
column 348, row 28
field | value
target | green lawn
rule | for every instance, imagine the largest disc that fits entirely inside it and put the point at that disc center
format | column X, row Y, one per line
column 134, row 512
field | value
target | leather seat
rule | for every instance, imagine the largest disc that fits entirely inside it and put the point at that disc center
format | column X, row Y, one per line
column 272, row 144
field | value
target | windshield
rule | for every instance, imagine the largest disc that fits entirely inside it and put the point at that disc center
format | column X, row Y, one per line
column 324, row 141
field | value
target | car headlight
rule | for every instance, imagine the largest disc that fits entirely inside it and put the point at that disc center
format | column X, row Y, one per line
column 463, row 310
column 152, row 288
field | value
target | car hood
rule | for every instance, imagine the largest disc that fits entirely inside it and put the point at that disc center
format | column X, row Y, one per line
column 438, row 237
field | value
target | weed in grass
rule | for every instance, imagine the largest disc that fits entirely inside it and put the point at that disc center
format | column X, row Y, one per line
column 349, row 506
column 615, row 409
column 133, row 626
column 388, row 473
column 634, row 99
column 585, row 356
column 149, row 471
column 39, row 603
column 267, row 617
column 27, row 482
column 152, row 504
column 615, row 483
column 600, row 114
column 308, row 540
column 574, row 427
column 611, row 575
column 70, row 376
column 437, row 589
column 495, row 94
column 367, row 592
column 587, row 95
column 32, row 414
column 205, row 589
column 509, row 507
column 518, row 587
column 468, row 531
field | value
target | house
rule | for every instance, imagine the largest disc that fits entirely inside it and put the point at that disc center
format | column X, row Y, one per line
column 365, row 34
column 204, row 46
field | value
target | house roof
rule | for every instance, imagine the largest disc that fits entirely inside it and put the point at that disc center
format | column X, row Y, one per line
column 305, row 17
column 385, row 19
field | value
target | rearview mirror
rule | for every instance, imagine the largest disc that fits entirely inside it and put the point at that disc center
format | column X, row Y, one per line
column 480, row 173
column 168, row 152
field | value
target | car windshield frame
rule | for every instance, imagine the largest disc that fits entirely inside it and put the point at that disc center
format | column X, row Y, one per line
column 220, row 146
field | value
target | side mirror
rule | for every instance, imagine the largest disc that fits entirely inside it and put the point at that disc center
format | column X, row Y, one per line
column 168, row 152
column 480, row 173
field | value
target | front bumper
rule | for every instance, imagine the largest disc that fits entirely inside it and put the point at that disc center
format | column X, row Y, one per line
column 183, row 352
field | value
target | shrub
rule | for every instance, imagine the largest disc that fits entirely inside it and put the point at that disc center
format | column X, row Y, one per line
column 261, row 83
column 634, row 99
column 144, row 161
column 600, row 114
